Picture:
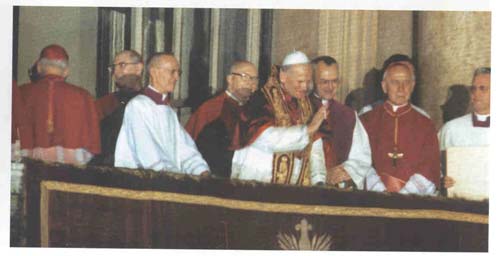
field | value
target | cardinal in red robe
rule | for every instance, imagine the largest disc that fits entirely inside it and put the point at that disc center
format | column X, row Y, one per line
column 404, row 144
column 63, row 120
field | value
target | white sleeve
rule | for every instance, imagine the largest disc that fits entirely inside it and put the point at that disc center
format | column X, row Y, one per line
column 317, row 163
column 444, row 138
column 359, row 162
column 418, row 184
column 373, row 181
column 191, row 160
column 282, row 139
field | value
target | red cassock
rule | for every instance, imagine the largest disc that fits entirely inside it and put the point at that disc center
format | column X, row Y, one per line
column 60, row 114
column 402, row 143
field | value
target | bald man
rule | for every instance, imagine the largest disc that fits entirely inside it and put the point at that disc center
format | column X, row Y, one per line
column 215, row 124
column 403, row 141
column 151, row 136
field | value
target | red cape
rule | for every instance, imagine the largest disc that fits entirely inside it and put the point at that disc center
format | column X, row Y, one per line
column 19, row 115
column 221, row 106
column 75, row 123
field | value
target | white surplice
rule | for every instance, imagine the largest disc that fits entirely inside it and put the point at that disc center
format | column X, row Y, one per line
column 151, row 137
column 460, row 132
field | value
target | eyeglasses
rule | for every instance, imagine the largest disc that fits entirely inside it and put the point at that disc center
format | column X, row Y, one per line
column 121, row 65
column 481, row 88
column 247, row 78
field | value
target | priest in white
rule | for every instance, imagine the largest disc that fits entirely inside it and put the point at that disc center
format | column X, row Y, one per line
column 279, row 130
column 470, row 130
column 151, row 136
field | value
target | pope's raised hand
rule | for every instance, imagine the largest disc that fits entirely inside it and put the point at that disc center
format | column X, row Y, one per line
column 317, row 119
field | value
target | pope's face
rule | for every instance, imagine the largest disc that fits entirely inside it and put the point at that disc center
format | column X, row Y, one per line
column 297, row 80
column 326, row 80
column 480, row 94
column 398, row 84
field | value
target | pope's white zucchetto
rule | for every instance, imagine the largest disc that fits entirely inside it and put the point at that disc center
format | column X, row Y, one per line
column 294, row 58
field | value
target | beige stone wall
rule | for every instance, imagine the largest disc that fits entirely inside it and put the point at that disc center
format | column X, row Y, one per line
column 359, row 40
column 450, row 46
column 74, row 28
column 395, row 34
column 294, row 29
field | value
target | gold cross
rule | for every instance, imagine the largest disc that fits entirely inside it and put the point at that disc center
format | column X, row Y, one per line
column 395, row 156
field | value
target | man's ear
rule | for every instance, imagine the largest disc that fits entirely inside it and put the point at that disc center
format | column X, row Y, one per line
column 229, row 80
column 39, row 68
column 412, row 86
column 282, row 76
column 65, row 72
column 140, row 67
column 384, row 87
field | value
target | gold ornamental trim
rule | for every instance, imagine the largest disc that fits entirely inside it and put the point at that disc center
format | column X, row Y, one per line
column 282, row 171
column 260, row 206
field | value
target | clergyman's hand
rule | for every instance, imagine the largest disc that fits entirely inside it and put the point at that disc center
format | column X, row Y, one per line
column 448, row 182
column 336, row 175
column 205, row 174
column 317, row 119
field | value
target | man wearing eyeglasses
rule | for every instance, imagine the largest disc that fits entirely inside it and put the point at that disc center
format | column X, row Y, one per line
column 126, row 72
column 151, row 136
column 279, row 129
column 403, row 141
column 345, row 142
column 214, row 126
column 472, row 129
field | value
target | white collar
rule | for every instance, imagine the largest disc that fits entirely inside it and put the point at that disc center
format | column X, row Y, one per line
column 481, row 118
column 396, row 107
column 323, row 101
column 163, row 96
column 234, row 98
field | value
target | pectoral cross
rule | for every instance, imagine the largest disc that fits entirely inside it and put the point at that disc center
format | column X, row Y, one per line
column 395, row 156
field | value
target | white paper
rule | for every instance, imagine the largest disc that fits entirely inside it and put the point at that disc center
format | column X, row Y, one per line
column 468, row 166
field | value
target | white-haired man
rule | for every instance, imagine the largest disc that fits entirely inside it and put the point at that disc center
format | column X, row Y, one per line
column 63, row 120
column 403, row 141
column 280, row 128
